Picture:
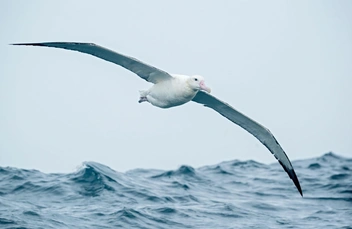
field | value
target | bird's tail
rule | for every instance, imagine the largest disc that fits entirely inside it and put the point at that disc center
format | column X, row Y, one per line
column 143, row 93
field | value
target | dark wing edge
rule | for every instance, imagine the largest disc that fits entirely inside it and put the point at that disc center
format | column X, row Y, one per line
column 145, row 71
column 254, row 128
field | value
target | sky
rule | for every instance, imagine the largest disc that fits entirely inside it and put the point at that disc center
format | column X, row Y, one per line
column 285, row 64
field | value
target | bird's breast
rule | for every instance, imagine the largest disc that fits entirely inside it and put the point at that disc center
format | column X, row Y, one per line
column 169, row 94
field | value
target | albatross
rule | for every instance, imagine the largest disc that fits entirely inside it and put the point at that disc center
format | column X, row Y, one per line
column 170, row 90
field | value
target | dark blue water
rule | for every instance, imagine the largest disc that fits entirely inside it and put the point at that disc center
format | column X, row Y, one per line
column 233, row 194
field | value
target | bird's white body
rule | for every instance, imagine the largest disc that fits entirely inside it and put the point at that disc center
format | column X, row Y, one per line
column 169, row 93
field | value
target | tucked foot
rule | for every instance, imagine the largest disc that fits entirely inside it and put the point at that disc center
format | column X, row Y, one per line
column 143, row 99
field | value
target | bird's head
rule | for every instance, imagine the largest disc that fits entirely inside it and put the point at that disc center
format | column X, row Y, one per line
column 197, row 83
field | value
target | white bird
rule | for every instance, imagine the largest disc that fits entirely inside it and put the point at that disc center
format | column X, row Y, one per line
column 174, row 90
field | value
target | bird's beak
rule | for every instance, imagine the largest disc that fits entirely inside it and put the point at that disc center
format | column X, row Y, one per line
column 204, row 87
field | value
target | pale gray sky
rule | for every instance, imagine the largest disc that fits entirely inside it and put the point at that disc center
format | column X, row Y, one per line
column 286, row 64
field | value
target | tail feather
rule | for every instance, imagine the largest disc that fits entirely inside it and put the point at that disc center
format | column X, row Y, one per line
column 143, row 93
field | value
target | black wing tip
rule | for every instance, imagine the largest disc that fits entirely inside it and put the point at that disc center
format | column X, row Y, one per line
column 294, row 178
column 31, row 44
column 291, row 173
column 53, row 43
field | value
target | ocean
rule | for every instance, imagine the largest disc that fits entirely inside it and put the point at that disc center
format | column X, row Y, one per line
column 231, row 194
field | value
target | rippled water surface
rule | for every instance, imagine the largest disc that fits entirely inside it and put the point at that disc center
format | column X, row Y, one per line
column 233, row 194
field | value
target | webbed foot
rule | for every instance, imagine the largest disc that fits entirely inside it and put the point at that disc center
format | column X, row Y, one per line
column 143, row 99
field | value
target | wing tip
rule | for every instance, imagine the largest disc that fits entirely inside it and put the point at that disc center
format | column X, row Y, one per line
column 28, row 44
column 292, row 174
column 52, row 43
column 296, row 181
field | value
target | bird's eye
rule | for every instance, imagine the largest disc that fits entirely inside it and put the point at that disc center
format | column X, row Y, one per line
column 195, row 79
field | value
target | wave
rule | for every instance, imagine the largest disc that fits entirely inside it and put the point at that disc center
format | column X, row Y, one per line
column 96, row 196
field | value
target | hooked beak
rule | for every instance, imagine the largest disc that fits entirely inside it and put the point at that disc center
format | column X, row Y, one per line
column 204, row 87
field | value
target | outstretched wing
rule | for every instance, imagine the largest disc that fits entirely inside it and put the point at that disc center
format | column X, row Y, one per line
column 254, row 128
column 145, row 71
